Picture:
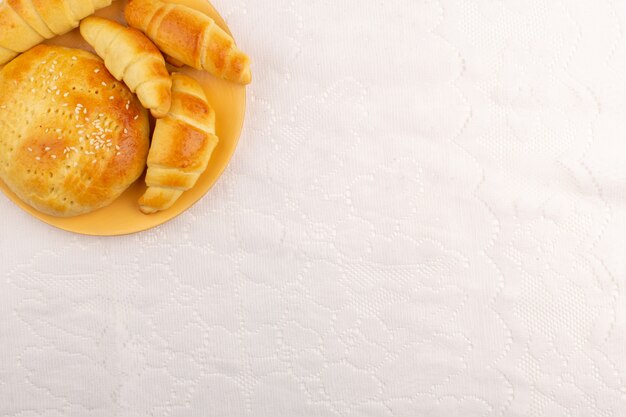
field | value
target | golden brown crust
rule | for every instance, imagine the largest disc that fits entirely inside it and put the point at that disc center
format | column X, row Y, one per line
column 56, row 14
column 26, row 23
column 68, row 147
column 6, row 55
column 15, row 34
column 81, row 8
column 28, row 12
column 191, row 37
column 131, row 56
column 98, row 4
column 182, row 145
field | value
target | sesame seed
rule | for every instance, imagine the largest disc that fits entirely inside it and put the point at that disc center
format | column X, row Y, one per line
column 53, row 156
column 38, row 158
column 29, row 149
column 125, row 130
column 47, row 148
column 104, row 84
column 66, row 94
column 74, row 58
column 136, row 117
column 94, row 161
column 119, row 153
column 97, row 70
column 75, row 164
column 112, row 98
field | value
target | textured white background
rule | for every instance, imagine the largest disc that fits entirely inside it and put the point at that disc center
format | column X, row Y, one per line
column 426, row 217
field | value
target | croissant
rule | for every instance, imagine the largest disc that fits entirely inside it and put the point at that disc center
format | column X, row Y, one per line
column 191, row 37
column 26, row 23
column 182, row 145
column 6, row 55
column 130, row 56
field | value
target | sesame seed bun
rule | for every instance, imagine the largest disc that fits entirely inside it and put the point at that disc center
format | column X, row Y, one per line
column 72, row 137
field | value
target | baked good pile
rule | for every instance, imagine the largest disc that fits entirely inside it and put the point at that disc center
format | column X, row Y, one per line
column 74, row 126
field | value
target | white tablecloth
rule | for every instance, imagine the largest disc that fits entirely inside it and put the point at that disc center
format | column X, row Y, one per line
column 426, row 216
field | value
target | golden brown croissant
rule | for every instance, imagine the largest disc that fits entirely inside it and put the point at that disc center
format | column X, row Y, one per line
column 182, row 145
column 130, row 56
column 56, row 14
column 191, row 37
column 26, row 23
column 15, row 33
column 29, row 14
column 6, row 55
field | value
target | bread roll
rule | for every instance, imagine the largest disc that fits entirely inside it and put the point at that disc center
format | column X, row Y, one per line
column 130, row 56
column 182, row 145
column 72, row 138
column 191, row 37
column 26, row 23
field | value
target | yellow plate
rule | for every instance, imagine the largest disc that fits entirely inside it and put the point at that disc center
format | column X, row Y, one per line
column 123, row 216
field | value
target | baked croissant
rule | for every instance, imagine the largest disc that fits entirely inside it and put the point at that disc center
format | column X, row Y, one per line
column 26, row 23
column 191, row 37
column 6, row 55
column 182, row 144
column 131, row 57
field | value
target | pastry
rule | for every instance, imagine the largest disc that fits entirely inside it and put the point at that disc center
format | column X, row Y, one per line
column 26, row 23
column 72, row 137
column 6, row 55
column 191, row 37
column 182, row 145
column 131, row 57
